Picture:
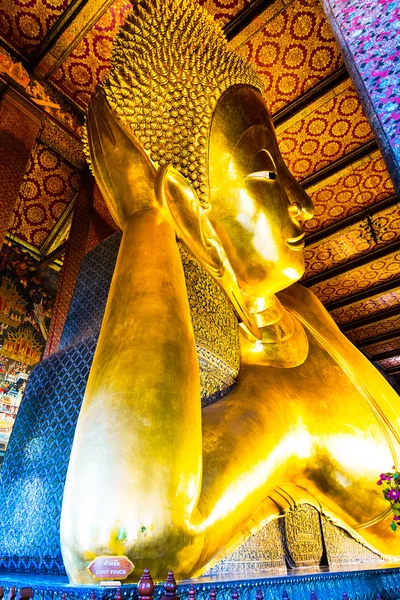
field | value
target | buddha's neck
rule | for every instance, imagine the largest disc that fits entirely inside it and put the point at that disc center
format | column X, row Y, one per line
column 283, row 340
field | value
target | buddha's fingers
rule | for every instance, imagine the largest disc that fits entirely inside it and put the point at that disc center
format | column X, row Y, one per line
column 98, row 159
column 122, row 169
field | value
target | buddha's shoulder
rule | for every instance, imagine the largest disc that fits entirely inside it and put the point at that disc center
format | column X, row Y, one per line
column 301, row 301
column 305, row 305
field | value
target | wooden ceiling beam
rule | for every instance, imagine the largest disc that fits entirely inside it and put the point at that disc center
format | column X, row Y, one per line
column 318, row 236
column 340, row 164
column 245, row 17
column 393, row 371
column 317, row 91
column 56, row 254
column 385, row 355
column 379, row 316
column 380, row 289
column 356, row 263
column 70, row 13
column 384, row 337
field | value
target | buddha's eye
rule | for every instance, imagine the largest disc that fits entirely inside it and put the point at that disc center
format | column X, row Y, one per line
column 262, row 166
column 260, row 175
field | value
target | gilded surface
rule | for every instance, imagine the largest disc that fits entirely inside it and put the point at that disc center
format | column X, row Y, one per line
column 332, row 130
column 358, row 279
column 352, row 242
column 182, row 98
column 361, row 184
column 264, row 551
column 88, row 64
column 303, row 536
column 151, row 476
column 291, row 52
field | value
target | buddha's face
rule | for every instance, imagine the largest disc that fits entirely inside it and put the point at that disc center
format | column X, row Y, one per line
column 257, row 207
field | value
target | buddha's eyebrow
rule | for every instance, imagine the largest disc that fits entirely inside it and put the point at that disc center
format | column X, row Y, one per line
column 261, row 175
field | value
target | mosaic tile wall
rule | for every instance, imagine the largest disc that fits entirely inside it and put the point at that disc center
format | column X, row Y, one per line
column 368, row 34
column 90, row 297
column 35, row 465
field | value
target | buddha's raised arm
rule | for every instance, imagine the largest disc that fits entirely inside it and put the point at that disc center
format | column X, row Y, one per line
column 136, row 461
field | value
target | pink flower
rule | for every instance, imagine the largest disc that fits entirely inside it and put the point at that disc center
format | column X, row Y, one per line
column 393, row 494
column 379, row 482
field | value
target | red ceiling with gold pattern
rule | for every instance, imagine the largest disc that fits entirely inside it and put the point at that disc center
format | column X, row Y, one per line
column 25, row 23
column 89, row 62
column 329, row 132
column 350, row 190
column 374, row 305
column 382, row 347
column 49, row 185
column 353, row 242
column 291, row 52
column 224, row 10
column 374, row 329
column 362, row 278
column 390, row 362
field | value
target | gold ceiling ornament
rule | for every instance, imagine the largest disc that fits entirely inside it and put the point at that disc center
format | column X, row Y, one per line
column 170, row 64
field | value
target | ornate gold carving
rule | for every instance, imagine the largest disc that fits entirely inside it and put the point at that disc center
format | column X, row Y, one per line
column 263, row 551
column 342, row 549
column 12, row 306
column 303, row 536
column 215, row 327
column 22, row 344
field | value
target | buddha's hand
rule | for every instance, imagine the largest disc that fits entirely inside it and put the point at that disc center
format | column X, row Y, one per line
column 122, row 169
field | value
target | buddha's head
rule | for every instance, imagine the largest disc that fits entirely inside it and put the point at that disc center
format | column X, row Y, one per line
column 196, row 109
column 256, row 206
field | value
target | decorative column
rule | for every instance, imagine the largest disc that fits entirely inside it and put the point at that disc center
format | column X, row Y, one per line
column 366, row 33
column 19, row 126
column 74, row 254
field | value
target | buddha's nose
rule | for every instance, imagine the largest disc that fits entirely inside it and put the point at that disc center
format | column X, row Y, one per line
column 307, row 206
column 301, row 206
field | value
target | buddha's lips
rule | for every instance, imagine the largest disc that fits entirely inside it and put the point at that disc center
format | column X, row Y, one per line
column 296, row 243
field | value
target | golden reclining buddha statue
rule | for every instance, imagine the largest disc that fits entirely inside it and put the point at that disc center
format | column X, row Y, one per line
column 182, row 147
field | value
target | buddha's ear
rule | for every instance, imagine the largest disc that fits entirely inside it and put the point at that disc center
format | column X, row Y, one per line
column 182, row 207
column 192, row 226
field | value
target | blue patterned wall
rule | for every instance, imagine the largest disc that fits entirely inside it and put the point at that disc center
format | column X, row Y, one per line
column 35, row 465
column 89, row 301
